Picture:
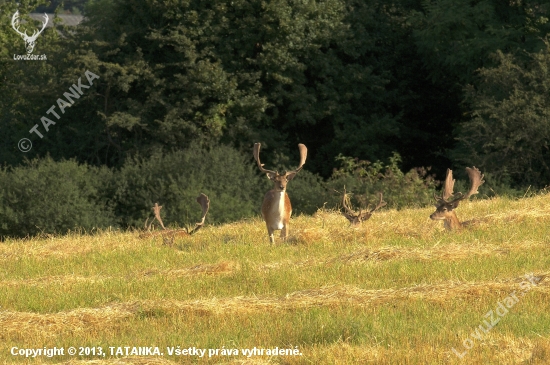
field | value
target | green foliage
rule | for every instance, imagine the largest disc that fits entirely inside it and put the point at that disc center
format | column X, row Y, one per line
column 174, row 180
column 365, row 180
column 69, row 6
column 48, row 196
column 456, row 35
column 456, row 38
column 173, row 73
column 307, row 193
column 26, row 87
column 509, row 133
column 345, row 77
column 33, row 202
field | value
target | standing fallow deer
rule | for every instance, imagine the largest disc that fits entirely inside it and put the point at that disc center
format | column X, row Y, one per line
column 276, row 207
column 356, row 218
column 169, row 234
column 445, row 207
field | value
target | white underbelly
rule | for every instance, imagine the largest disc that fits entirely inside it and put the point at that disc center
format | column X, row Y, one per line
column 278, row 211
column 278, row 224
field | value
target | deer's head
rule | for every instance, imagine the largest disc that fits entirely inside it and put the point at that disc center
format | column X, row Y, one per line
column 280, row 180
column 29, row 40
column 446, row 204
column 356, row 218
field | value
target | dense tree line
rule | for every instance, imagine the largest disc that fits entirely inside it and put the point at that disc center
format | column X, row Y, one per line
column 443, row 83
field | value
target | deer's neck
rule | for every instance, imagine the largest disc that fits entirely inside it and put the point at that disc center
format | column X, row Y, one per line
column 277, row 211
column 279, row 202
column 451, row 222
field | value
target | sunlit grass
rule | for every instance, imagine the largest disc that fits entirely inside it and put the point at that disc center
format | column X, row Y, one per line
column 397, row 290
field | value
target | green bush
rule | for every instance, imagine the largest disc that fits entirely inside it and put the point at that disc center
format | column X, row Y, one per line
column 365, row 180
column 174, row 180
column 307, row 193
column 48, row 196
column 53, row 197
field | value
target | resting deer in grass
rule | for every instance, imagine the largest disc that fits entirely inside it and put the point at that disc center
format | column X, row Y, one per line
column 356, row 218
column 276, row 208
column 169, row 234
column 446, row 206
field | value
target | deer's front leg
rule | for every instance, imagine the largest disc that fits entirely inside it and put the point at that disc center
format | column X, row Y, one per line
column 270, row 234
column 284, row 231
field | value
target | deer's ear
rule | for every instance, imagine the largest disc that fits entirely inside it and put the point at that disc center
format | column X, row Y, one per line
column 290, row 176
column 454, row 204
column 270, row 175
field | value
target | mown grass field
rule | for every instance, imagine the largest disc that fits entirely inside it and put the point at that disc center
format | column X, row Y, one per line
column 397, row 290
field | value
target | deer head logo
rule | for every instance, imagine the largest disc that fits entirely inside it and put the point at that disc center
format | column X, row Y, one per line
column 29, row 41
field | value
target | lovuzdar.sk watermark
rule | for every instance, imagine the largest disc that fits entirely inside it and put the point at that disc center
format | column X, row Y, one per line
column 30, row 57
column 30, row 41
column 494, row 317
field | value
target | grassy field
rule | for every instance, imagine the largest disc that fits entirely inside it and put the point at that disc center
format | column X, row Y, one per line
column 397, row 290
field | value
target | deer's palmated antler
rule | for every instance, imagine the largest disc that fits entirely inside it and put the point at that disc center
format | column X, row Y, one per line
column 257, row 158
column 380, row 204
column 345, row 204
column 156, row 211
column 448, row 188
column 303, row 157
column 355, row 218
column 476, row 180
column 447, row 203
column 205, row 204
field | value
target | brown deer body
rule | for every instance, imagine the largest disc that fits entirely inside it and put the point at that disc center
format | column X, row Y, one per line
column 446, row 207
column 356, row 218
column 276, row 207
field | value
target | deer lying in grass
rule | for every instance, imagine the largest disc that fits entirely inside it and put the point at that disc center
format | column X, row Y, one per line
column 276, row 207
column 445, row 207
column 169, row 234
column 356, row 218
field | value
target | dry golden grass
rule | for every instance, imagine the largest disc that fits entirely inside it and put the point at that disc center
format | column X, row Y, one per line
column 95, row 319
column 398, row 289
column 68, row 246
column 225, row 267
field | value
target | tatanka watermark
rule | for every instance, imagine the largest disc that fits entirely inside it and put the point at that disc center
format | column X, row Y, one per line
column 75, row 91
